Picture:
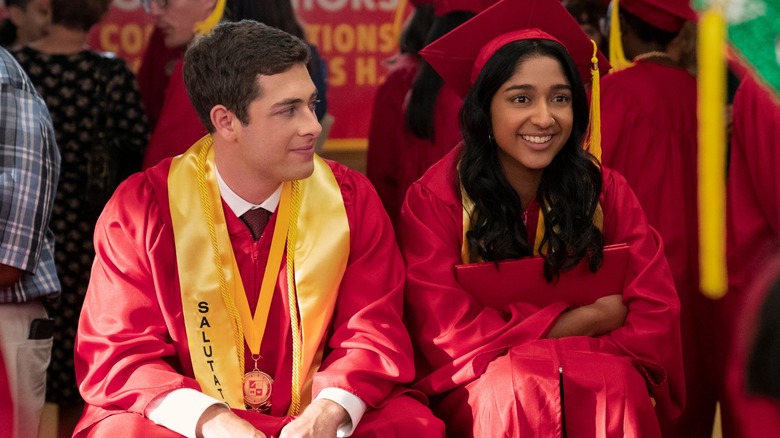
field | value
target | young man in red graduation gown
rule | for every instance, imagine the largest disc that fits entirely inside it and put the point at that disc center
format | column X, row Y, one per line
column 523, row 369
column 195, row 322
column 753, row 229
column 649, row 134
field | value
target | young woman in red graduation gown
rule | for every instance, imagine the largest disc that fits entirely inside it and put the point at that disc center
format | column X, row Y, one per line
column 520, row 370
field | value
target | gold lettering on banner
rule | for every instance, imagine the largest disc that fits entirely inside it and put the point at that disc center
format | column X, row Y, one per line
column 203, row 308
column 337, row 73
column 365, row 71
column 355, row 52
column 353, row 38
column 128, row 40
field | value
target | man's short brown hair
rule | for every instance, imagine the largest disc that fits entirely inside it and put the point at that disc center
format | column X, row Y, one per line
column 221, row 68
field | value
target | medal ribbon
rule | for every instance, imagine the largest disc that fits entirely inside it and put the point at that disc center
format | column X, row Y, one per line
column 212, row 292
column 254, row 326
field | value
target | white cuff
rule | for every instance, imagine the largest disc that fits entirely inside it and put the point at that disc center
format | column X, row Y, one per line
column 179, row 410
column 354, row 406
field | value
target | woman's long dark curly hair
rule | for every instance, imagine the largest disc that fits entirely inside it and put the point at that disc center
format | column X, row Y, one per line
column 569, row 188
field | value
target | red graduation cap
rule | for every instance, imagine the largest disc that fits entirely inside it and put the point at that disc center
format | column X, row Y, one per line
column 668, row 15
column 442, row 7
column 459, row 56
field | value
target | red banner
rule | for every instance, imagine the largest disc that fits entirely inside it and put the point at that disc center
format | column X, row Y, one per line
column 354, row 37
column 125, row 31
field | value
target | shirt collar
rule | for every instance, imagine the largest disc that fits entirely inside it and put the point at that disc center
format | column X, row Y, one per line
column 240, row 206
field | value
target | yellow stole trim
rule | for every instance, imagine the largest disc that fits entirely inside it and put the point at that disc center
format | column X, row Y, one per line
column 211, row 286
column 468, row 212
column 210, row 22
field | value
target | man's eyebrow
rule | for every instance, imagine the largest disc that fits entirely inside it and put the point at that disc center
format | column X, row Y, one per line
column 293, row 101
column 286, row 102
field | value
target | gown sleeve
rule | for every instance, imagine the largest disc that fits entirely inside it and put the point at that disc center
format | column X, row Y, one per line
column 455, row 335
column 651, row 332
column 124, row 352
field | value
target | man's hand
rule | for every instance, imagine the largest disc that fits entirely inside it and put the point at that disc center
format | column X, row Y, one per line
column 220, row 421
column 320, row 420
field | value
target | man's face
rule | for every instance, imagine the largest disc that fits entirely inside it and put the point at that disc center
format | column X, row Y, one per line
column 32, row 22
column 177, row 18
column 277, row 144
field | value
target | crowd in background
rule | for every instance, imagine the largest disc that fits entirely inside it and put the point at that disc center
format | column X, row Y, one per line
column 109, row 123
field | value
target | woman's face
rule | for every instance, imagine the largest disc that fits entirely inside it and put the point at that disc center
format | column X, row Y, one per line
column 532, row 117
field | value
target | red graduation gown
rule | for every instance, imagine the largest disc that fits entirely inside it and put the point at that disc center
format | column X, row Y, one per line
column 155, row 72
column 178, row 126
column 418, row 156
column 494, row 372
column 388, row 132
column 132, row 343
column 396, row 158
column 7, row 409
column 649, row 135
column 753, row 227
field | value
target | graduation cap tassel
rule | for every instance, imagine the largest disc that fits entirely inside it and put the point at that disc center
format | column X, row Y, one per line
column 617, row 58
column 594, row 137
column 205, row 26
column 712, row 151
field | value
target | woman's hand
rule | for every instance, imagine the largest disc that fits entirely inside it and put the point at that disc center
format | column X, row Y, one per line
column 601, row 317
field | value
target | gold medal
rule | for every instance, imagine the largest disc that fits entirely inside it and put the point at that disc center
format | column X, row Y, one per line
column 257, row 389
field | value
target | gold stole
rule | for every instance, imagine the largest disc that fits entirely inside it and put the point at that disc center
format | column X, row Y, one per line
column 211, row 283
column 468, row 212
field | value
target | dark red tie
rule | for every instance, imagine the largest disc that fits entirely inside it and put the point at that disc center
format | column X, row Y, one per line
column 256, row 220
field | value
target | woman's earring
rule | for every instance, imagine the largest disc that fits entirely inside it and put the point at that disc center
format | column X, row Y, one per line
column 490, row 138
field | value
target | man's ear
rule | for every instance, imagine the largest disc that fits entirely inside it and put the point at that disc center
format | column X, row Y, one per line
column 226, row 124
